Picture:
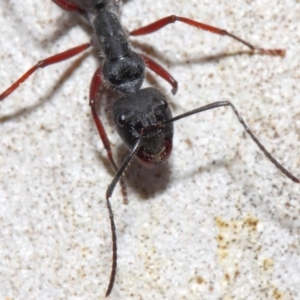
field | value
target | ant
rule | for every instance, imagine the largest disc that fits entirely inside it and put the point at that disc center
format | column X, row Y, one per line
column 142, row 116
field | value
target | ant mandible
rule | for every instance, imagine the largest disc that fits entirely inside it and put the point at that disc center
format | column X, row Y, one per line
column 142, row 116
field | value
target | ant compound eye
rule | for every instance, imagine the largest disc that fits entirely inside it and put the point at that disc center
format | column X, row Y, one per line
column 161, row 108
column 121, row 120
column 164, row 103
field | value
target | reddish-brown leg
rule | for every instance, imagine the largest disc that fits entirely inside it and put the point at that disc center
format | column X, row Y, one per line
column 172, row 19
column 94, row 90
column 159, row 70
column 66, row 5
column 44, row 63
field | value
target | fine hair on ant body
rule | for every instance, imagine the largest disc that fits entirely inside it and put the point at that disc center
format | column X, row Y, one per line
column 142, row 116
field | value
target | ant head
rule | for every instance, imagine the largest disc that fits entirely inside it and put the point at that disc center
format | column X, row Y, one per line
column 142, row 115
column 126, row 74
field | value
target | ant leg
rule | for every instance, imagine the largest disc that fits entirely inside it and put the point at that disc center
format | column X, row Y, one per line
column 172, row 19
column 254, row 138
column 94, row 89
column 159, row 70
column 66, row 5
column 44, row 63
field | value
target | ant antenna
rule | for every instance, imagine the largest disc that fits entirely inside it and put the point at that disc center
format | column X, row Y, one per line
column 109, row 192
column 256, row 141
column 160, row 125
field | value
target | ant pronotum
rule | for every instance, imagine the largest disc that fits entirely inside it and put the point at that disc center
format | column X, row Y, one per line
column 157, row 126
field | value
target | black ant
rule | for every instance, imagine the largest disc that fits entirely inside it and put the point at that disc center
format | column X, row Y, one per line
column 142, row 116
